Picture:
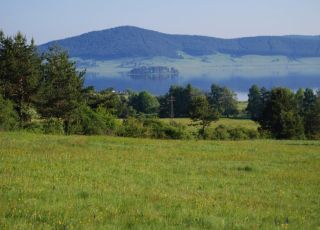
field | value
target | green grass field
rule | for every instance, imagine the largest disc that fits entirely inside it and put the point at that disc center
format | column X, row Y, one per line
column 80, row 182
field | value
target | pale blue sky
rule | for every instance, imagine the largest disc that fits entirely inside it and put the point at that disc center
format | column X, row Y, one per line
column 48, row 20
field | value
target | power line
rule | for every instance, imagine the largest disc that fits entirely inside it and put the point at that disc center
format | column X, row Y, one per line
column 171, row 100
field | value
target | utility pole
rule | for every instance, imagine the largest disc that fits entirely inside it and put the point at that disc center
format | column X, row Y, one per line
column 171, row 100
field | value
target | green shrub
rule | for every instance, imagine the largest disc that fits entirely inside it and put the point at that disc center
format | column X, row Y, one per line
column 161, row 130
column 222, row 132
column 178, row 131
column 53, row 126
column 219, row 133
column 241, row 133
column 109, row 120
column 152, row 128
column 85, row 121
column 252, row 134
column 33, row 127
column 132, row 127
column 265, row 134
column 8, row 116
column 238, row 134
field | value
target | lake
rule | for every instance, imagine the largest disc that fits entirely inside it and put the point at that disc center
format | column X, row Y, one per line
column 239, row 84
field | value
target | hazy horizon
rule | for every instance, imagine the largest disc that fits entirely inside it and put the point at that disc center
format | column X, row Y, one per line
column 52, row 20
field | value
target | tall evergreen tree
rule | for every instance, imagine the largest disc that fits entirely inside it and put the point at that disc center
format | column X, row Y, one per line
column 312, row 121
column 223, row 100
column 20, row 72
column 308, row 100
column 280, row 115
column 60, row 93
column 255, row 105
column 311, row 113
column 299, row 96
column 181, row 97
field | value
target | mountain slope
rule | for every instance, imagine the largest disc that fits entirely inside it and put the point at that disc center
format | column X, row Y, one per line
column 129, row 42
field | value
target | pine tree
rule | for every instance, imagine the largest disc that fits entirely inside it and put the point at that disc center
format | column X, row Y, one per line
column 20, row 73
column 255, row 105
column 60, row 93
column 299, row 96
column 280, row 115
column 223, row 100
column 311, row 112
column 308, row 100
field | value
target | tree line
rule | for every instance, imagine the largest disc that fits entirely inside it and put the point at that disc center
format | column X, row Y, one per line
column 46, row 92
column 285, row 114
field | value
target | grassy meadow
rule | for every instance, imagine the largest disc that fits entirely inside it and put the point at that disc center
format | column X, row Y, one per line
column 98, row 182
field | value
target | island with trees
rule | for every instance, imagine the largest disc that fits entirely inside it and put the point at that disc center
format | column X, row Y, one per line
column 153, row 72
column 46, row 93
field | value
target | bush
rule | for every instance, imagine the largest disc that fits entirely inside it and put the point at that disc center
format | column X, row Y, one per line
column 161, row 130
column 86, row 121
column 252, row 134
column 53, row 126
column 33, row 127
column 178, row 131
column 109, row 120
column 238, row 134
column 222, row 132
column 219, row 133
column 265, row 134
column 8, row 116
column 131, row 127
column 152, row 128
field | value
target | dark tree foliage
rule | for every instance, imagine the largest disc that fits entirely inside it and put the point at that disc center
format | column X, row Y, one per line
column 181, row 97
column 312, row 121
column 52, row 85
column 308, row 100
column 8, row 115
column 19, row 72
column 61, row 87
column 202, row 112
column 299, row 96
column 311, row 113
column 280, row 115
column 223, row 100
column 255, row 103
column 265, row 95
column 116, row 104
column 144, row 102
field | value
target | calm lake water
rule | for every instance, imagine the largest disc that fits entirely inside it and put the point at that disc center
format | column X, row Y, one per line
column 239, row 84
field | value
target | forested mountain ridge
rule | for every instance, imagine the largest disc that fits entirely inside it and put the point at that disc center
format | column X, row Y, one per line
column 130, row 42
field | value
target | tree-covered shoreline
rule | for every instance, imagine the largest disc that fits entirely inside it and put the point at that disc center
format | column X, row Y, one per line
column 45, row 93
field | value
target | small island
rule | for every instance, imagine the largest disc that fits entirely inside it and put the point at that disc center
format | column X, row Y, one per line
column 154, row 72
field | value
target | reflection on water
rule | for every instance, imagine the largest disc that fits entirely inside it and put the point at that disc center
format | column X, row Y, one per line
column 237, row 84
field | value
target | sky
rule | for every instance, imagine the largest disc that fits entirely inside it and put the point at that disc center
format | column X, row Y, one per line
column 48, row 20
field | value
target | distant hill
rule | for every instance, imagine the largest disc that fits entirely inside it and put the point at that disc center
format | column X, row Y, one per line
column 130, row 42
